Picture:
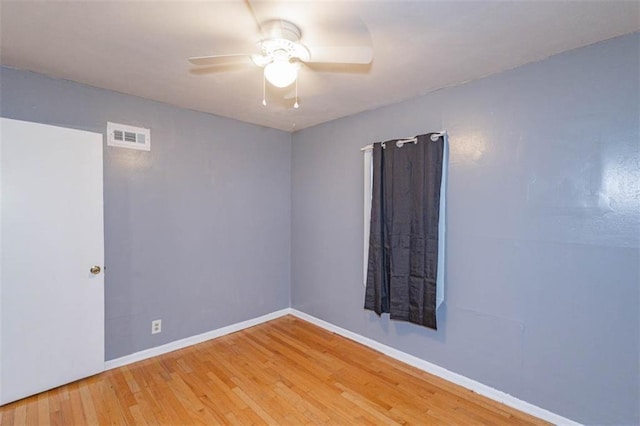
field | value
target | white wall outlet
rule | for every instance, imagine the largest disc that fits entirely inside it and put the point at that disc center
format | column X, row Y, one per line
column 156, row 326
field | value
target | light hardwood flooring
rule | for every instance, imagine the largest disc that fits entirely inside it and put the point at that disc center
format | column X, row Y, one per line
column 285, row 372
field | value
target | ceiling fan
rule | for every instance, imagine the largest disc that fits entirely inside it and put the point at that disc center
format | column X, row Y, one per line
column 281, row 54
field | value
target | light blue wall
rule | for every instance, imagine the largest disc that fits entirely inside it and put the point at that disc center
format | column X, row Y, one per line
column 197, row 231
column 543, row 233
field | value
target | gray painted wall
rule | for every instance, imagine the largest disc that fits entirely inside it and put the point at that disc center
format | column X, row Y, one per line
column 543, row 233
column 197, row 231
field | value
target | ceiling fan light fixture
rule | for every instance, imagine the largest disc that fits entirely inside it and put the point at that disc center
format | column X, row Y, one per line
column 281, row 72
column 282, row 54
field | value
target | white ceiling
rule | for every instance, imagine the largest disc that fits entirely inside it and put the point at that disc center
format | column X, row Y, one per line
column 141, row 48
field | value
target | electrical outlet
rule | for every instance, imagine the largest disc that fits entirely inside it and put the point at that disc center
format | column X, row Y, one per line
column 156, row 326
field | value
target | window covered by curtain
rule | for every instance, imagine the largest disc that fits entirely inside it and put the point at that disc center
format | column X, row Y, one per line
column 404, row 229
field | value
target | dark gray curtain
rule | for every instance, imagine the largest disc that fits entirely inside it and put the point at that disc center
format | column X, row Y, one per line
column 403, row 243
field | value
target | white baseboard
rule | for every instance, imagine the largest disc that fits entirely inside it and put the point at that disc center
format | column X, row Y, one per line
column 414, row 361
column 436, row 370
column 188, row 341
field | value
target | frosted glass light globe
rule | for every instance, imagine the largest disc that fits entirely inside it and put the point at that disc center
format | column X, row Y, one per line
column 281, row 72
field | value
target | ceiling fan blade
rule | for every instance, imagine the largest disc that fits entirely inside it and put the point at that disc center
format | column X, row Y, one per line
column 253, row 15
column 220, row 59
column 217, row 69
column 341, row 54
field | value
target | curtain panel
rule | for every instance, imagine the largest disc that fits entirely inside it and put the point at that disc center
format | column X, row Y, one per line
column 403, row 241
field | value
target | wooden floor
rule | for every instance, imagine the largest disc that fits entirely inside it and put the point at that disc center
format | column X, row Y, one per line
column 286, row 371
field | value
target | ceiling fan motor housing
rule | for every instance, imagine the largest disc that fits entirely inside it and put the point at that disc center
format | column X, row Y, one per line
column 282, row 38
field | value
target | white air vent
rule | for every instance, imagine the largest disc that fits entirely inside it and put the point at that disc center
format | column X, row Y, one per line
column 125, row 136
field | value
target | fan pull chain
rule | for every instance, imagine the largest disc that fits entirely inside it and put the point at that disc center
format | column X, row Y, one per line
column 264, row 90
column 296, row 104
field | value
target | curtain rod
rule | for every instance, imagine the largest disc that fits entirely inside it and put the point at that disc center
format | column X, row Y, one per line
column 414, row 139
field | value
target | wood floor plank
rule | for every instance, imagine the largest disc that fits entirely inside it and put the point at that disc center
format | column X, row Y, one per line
column 87, row 404
column 55, row 413
column 21, row 414
column 284, row 372
column 75, row 401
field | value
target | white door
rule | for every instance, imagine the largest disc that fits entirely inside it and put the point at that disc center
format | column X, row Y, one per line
column 51, row 235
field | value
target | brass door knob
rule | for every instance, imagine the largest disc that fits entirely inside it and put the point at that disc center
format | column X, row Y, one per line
column 95, row 270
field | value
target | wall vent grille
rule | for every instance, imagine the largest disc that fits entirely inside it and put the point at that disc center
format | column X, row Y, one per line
column 124, row 136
